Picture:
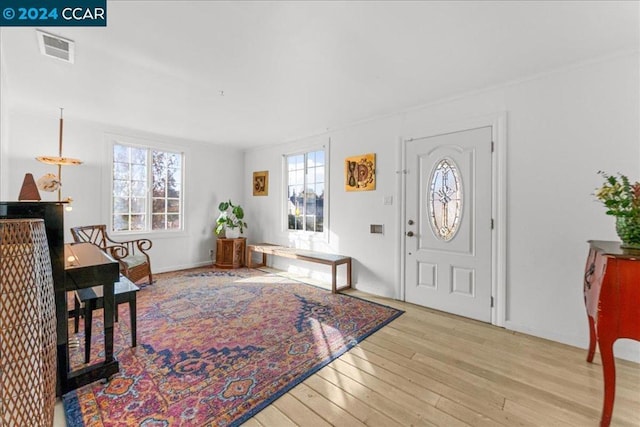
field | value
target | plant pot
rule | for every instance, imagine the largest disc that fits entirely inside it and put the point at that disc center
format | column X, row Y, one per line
column 628, row 229
column 232, row 233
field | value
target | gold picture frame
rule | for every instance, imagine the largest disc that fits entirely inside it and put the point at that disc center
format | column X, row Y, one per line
column 360, row 172
column 261, row 183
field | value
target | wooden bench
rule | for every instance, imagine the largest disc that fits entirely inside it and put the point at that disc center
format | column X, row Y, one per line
column 93, row 299
column 305, row 255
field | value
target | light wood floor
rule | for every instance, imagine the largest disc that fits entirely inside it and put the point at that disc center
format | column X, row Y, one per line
column 430, row 368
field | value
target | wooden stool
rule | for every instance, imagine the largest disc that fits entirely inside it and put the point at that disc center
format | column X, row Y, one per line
column 92, row 299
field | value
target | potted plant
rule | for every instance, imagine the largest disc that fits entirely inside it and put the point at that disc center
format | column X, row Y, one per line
column 621, row 197
column 230, row 221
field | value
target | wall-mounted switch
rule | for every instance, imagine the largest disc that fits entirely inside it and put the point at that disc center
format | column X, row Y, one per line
column 388, row 200
column 376, row 229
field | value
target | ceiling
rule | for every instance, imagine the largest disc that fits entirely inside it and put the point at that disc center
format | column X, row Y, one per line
column 256, row 73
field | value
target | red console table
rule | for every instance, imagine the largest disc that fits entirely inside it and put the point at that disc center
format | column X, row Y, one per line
column 612, row 299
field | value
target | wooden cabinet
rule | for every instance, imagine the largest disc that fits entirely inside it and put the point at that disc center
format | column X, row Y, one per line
column 230, row 252
column 612, row 298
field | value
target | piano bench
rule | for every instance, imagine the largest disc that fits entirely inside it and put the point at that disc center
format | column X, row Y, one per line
column 89, row 299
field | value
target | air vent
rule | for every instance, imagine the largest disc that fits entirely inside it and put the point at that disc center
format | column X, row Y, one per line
column 56, row 47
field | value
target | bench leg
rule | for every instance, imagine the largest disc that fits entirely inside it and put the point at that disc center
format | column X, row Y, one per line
column 88, row 318
column 76, row 315
column 334, row 284
column 132, row 316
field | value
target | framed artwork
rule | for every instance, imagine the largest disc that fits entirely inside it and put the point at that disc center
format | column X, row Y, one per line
column 261, row 183
column 360, row 172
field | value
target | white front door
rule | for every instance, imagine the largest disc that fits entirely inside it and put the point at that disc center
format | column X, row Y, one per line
column 448, row 223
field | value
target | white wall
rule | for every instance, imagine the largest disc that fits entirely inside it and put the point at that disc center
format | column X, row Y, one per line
column 562, row 127
column 213, row 173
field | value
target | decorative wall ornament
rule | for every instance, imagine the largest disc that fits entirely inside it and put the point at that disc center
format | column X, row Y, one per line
column 47, row 183
column 261, row 183
column 360, row 172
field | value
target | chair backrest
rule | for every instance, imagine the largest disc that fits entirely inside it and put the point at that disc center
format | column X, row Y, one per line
column 96, row 234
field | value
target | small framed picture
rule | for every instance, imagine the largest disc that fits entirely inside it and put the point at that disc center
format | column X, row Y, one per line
column 261, row 183
column 360, row 172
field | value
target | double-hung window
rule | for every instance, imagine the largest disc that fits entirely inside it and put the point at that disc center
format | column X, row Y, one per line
column 306, row 185
column 147, row 192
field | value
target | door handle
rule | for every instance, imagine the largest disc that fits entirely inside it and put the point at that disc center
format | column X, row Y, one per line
column 409, row 233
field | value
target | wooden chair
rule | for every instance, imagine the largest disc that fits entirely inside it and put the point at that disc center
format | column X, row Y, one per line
column 131, row 254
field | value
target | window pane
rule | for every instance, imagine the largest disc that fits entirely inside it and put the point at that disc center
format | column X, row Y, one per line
column 444, row 199
column 173, row 205
column 137, row 222
column 158, row 222
column 311, row 176
column 320, row 157
column 174, row 160
column 121, row 171
column 120, row 153
column 158, row 205
column 159, row 189
column 310, row 222
column 120, row 205
column 173, row 182
column 120, row 188
column 121, row 222
column 138, row 156
column 173, row 221
column 139, row 172
column 292, row 178
column 138, row 204
column 138, row 188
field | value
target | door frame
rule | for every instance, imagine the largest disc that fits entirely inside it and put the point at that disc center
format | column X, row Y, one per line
column 498, row 123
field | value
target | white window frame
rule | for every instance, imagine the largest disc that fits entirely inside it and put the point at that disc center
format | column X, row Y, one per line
column 304, row 234
column 148, row 145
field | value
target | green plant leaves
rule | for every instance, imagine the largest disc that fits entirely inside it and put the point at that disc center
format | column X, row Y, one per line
column 231, row 216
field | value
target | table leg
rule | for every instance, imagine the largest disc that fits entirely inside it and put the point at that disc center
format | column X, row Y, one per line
column 88, row 318
column 609, row 371
column 349, row 272
column 592, row 339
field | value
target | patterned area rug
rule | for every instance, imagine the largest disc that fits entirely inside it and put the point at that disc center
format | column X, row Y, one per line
column 216, row 347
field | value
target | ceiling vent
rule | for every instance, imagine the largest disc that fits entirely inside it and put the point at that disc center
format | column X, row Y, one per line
column 56, row 46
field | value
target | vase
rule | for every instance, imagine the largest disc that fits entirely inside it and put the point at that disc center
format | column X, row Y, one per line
column 232, row 233
column 628, row 229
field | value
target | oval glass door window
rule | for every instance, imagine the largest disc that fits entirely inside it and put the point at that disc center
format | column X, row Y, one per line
column 444, row 201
